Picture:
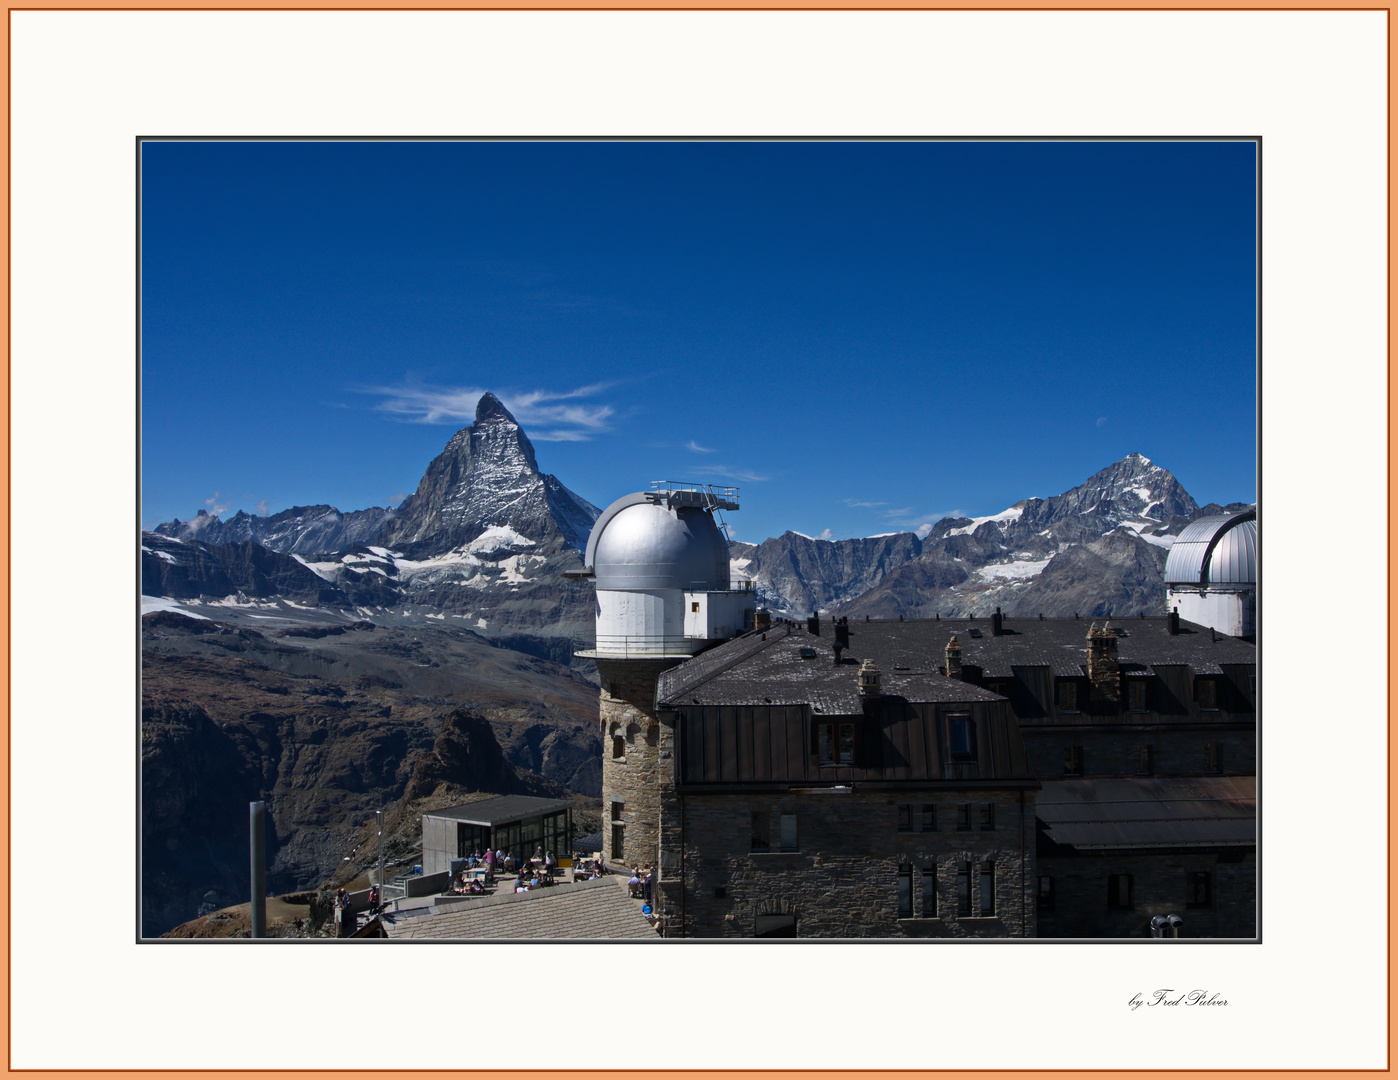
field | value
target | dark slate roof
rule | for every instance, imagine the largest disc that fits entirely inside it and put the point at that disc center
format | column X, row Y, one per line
column 1118, row 813
column 910, row 654
column 598, row 910
column 749, row 670
column 503, row 809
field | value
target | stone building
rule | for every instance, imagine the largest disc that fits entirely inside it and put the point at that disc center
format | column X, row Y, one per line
column 957, row 778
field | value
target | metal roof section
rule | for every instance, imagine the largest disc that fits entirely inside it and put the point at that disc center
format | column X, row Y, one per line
column 1218, row 550
column 500, row 810
column 1122, row 814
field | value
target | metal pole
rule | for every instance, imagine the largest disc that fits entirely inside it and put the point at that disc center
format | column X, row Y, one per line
column 257, row 850
column 378, row 818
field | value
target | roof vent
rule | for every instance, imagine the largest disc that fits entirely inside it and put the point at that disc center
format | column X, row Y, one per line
column 973, row 631
column 807, row 653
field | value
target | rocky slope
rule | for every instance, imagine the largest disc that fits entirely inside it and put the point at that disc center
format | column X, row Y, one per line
column 302, row 530
column 328, row 724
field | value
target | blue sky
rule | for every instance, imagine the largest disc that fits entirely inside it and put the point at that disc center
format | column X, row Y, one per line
column 863, row 337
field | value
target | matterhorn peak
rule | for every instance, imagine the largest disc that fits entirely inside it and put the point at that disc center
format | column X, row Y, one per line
column 491, row 407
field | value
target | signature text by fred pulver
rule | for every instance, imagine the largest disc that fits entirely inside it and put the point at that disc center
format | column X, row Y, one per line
column 1178, row 997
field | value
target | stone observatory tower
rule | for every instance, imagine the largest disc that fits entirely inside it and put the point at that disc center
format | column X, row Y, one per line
column 660, row 562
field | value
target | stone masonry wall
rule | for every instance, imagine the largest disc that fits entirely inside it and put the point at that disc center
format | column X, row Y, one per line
column 1159, row 886
column 1114, row 751
column 843, row 880
column 633, row 780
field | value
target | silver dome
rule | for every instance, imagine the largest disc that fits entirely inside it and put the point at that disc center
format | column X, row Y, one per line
column 640, row 544
column 1217, row 550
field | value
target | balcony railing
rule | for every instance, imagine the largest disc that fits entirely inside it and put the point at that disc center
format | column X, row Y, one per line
column 637, row 645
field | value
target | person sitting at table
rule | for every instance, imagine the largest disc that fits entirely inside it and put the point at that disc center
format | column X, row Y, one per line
column 633, row 885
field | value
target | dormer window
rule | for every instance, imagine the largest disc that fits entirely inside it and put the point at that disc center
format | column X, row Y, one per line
column 1136, row 695
column 1066, row 695
column 835, row 743
column 961, row 737
column 1206, row 693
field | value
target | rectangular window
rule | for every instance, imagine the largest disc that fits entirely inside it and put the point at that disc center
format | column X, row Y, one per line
column 905, row 892
column 987, row 817
column 961, row 737
column 929, row 818
column 1206, row 693
column 1144, row 764
column 835, row 743
column 1136, row 695
column 1067, row 695
column 963, row 817
column 846, row 744
column 618, row 848
column 693, row 605
column 905, row 817
column 1119, row 892
column 1046, row 897
column 761, row 830
column 1213, row 757
column 929, row 892
column 1072, row 761
column 618, row 747
column 963, row 890
column 987, row 888
column 1199, row 891
column 617, row 808
column 789, row 832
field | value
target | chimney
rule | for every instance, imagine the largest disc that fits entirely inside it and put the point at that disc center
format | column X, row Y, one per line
column 997, row 624
column 764, row 619
column 869, row 681
column 842, row 634
column 953, row 658
column 1174, row 622
column 839, row 647
column 1103, row 670
column 813, row 623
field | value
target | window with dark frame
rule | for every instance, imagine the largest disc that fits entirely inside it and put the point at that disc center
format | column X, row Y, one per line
column 1072, row 761
column 618, row 747
column 1136, row 695
column 761, row 830
column 987, row 888
column 905, row 891
column 1046, row 895
column 987, row 817
column 788, row 823
column 1066, row 695
column 929, row 892
column 835, row 744
column 961, row 737
column 1199, row 892
column 1144, row 764
column 963, row 890
column 929, row 818
column 963, row 817
column 1206, row 693
column 1213, row 757
column 905, row 817
column 618, row 845
column 618, row 808
column 1119, row 892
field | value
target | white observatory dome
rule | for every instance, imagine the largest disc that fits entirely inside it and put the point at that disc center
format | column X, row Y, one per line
column 646, row 545
column 1217, row 551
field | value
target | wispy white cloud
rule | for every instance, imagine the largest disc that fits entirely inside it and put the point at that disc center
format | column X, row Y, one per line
column 1101, row 421
column 825, row 534
column 864, row 505
column 263, row 507
column 692, row 445
column 546, row 415
column 216, row 504
column 732, row 474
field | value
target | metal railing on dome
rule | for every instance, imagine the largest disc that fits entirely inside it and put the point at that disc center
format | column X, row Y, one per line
column 638, row 645
column 708, row 496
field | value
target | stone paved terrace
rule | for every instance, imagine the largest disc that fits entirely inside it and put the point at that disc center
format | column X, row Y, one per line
column 598, row 910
